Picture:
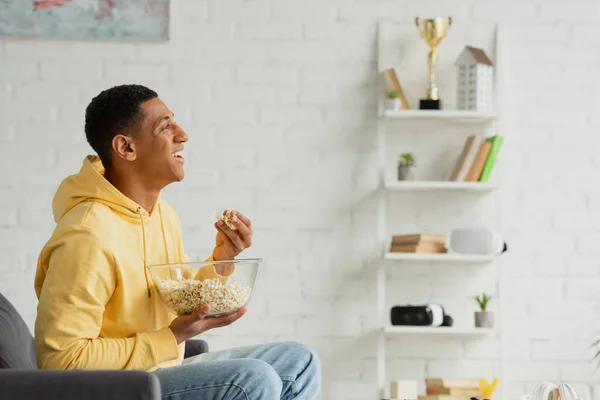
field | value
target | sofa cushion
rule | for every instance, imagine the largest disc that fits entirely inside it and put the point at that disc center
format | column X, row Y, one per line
column 17, row 349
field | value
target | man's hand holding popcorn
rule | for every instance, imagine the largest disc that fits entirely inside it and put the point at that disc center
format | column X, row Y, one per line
column 234, row 235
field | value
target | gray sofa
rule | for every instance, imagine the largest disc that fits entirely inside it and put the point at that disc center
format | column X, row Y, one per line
column 20, row 379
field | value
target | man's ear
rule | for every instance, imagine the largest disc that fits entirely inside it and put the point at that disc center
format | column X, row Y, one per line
column 124, row 147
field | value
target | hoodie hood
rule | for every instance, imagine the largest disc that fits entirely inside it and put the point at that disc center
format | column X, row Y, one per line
column 89, row 184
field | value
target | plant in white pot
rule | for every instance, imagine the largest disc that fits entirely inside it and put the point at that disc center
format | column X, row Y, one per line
column 405, row 167
column 484, row 318
column 392, row 102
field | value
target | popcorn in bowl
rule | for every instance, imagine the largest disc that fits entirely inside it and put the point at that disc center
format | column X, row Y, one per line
column 185, row 287
column 183, row 296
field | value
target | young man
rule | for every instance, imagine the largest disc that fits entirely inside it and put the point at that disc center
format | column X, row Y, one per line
column 97, row 306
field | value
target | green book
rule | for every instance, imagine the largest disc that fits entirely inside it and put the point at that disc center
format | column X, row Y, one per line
column 496, row 142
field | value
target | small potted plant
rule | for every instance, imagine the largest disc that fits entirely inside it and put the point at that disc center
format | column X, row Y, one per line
column 405, row 166
column 392, row 102
column 483, row 318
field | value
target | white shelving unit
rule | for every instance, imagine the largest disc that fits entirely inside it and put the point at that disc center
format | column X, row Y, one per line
column 474, row 121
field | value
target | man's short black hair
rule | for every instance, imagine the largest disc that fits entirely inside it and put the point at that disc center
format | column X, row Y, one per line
column 114, row 111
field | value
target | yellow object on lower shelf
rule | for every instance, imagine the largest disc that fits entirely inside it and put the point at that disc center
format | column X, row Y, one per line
column 488, row 389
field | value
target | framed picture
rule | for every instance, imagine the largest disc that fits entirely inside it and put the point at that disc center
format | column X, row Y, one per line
column 146, row 20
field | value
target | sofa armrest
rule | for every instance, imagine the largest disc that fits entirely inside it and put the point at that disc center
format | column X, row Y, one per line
column 194, row 347
column 76, row 385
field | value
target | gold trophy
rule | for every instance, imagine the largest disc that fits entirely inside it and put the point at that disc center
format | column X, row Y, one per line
column 433, row 31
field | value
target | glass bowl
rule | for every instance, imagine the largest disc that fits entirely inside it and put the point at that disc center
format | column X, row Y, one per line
column 225, row 285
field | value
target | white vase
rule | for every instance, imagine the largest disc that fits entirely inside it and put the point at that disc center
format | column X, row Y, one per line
column 392, row 104
column 405, row 174
column 484, row 319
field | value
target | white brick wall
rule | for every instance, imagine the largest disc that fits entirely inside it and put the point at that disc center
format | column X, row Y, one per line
column 289, row 88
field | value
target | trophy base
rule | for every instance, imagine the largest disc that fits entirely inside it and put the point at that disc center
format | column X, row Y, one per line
column 425, row 104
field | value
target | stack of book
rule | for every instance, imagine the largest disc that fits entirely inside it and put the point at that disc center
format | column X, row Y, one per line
column 418, row 243
column 477, row 160
column 451, row 389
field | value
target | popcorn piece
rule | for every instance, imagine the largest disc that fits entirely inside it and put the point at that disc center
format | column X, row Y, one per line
column 227, row 218
column 185, row 295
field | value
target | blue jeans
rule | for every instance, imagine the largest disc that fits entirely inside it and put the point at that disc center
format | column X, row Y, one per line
column 273, row 371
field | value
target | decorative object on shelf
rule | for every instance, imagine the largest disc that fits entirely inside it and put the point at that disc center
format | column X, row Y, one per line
column 483, row 318
column 425, row 315
column 476, row 241
column 392, row 102
column 404, row 389
column 433, row 31
column 488, row 388
column 551, row 391
column 405, row 166
column 474, row 79
column 392, row 80
column 441, row 388
column 419, row 243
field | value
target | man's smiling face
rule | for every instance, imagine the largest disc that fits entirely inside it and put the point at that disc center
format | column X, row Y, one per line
column 159, row 144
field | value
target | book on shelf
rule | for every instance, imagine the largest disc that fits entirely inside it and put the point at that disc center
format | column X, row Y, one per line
column 425, row 248
column 418, row 243
column 466, row 158
column 451, row 389
column 440, row 390
column 479, row 162
column 463, row 383
column 496, row 142
column 477, row 159
column 416, row 238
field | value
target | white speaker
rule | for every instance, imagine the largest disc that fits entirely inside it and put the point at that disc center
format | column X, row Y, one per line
column 475, row 241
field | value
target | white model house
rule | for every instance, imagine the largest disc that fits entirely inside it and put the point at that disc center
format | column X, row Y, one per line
column 475, row 77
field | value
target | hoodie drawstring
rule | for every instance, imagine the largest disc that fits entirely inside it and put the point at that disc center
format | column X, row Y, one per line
column 162, row 228
column 144, row 246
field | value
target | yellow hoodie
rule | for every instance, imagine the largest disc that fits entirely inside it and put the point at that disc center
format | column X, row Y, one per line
column 98, row 309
